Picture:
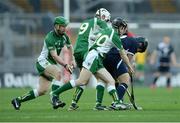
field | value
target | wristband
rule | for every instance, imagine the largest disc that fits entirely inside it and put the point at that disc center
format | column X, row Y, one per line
column 65, row 65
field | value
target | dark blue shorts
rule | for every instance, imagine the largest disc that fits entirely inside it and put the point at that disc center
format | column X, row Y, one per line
column 164, row 69
column 114, row 65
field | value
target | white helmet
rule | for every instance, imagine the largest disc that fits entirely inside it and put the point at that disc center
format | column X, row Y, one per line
column 103, row 14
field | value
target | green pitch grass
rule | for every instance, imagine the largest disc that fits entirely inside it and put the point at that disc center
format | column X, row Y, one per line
column 159, row 105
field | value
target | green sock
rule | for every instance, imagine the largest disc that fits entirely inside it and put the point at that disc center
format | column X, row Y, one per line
column 63, row 88
column 114, row 95
column 29, row 96
column 54, row 87
column 77, row 94
column 99, row 94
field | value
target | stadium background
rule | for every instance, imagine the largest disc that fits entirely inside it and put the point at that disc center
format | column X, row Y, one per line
column 24, row 24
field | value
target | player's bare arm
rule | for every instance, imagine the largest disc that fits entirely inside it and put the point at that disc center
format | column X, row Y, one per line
column 174, row 61
column 132, row 60
column 73, row 63
column 126, row 60
column 60, row 60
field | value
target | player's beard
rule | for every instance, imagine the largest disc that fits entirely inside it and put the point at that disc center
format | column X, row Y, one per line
column 60, row 32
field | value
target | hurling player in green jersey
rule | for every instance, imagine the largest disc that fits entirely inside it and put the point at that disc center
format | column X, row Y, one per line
column 87, row 30
column 47, row 62
column 93, row 64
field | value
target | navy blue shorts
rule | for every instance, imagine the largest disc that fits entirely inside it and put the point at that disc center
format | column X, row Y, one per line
column 114, row 65
column 164, row 69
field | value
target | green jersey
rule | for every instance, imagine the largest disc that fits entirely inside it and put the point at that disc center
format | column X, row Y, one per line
column 53, row 42
column 88, row 28
column 108, row 38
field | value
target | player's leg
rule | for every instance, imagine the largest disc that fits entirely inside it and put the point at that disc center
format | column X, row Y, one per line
column 32, row 94
column 76, row 96
column 82, row 80
column 100, row 87
column 46, row 75
column 124, row 80
column 120, row 73
column 79, row 90
column 90, row 65
column 43, row 81
column 117, row 68
column 52, row 73
column 168, row 80
column 166, row 71
column 104, row 75
column 55, row 72
column 156, row 76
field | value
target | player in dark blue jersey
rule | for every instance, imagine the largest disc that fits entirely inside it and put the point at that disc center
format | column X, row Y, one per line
column 165, row 55
column 117, row 68
column 131, row 46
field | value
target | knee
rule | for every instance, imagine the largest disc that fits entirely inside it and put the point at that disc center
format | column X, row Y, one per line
column 84, row 83
column 58, row 75
column 112, row 82
column 81, row 82
column 127, row 80
column 124, row 78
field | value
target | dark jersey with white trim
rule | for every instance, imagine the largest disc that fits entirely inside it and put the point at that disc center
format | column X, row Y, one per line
column 113, row 62
column 164, row 52
column 129, row 44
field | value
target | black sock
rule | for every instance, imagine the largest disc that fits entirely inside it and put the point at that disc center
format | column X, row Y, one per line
column 168, row 81
column 116, row 84
column 155, row 79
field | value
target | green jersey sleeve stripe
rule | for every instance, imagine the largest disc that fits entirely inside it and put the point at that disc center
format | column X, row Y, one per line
column 95, row 22
column 112, row 33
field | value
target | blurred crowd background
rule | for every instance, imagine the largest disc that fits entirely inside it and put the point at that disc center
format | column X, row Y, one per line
column 24, row 23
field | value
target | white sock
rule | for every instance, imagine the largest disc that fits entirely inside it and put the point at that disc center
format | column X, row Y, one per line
column 110, row 87
column 73, row 83
column 56, row 82
column 35, row 92
column 83, row 87
column 101, row 83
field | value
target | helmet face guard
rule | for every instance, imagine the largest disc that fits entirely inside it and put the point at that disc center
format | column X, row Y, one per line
column 120, row 25
column 103, row 14
column 118, row 22
column 142, row 44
